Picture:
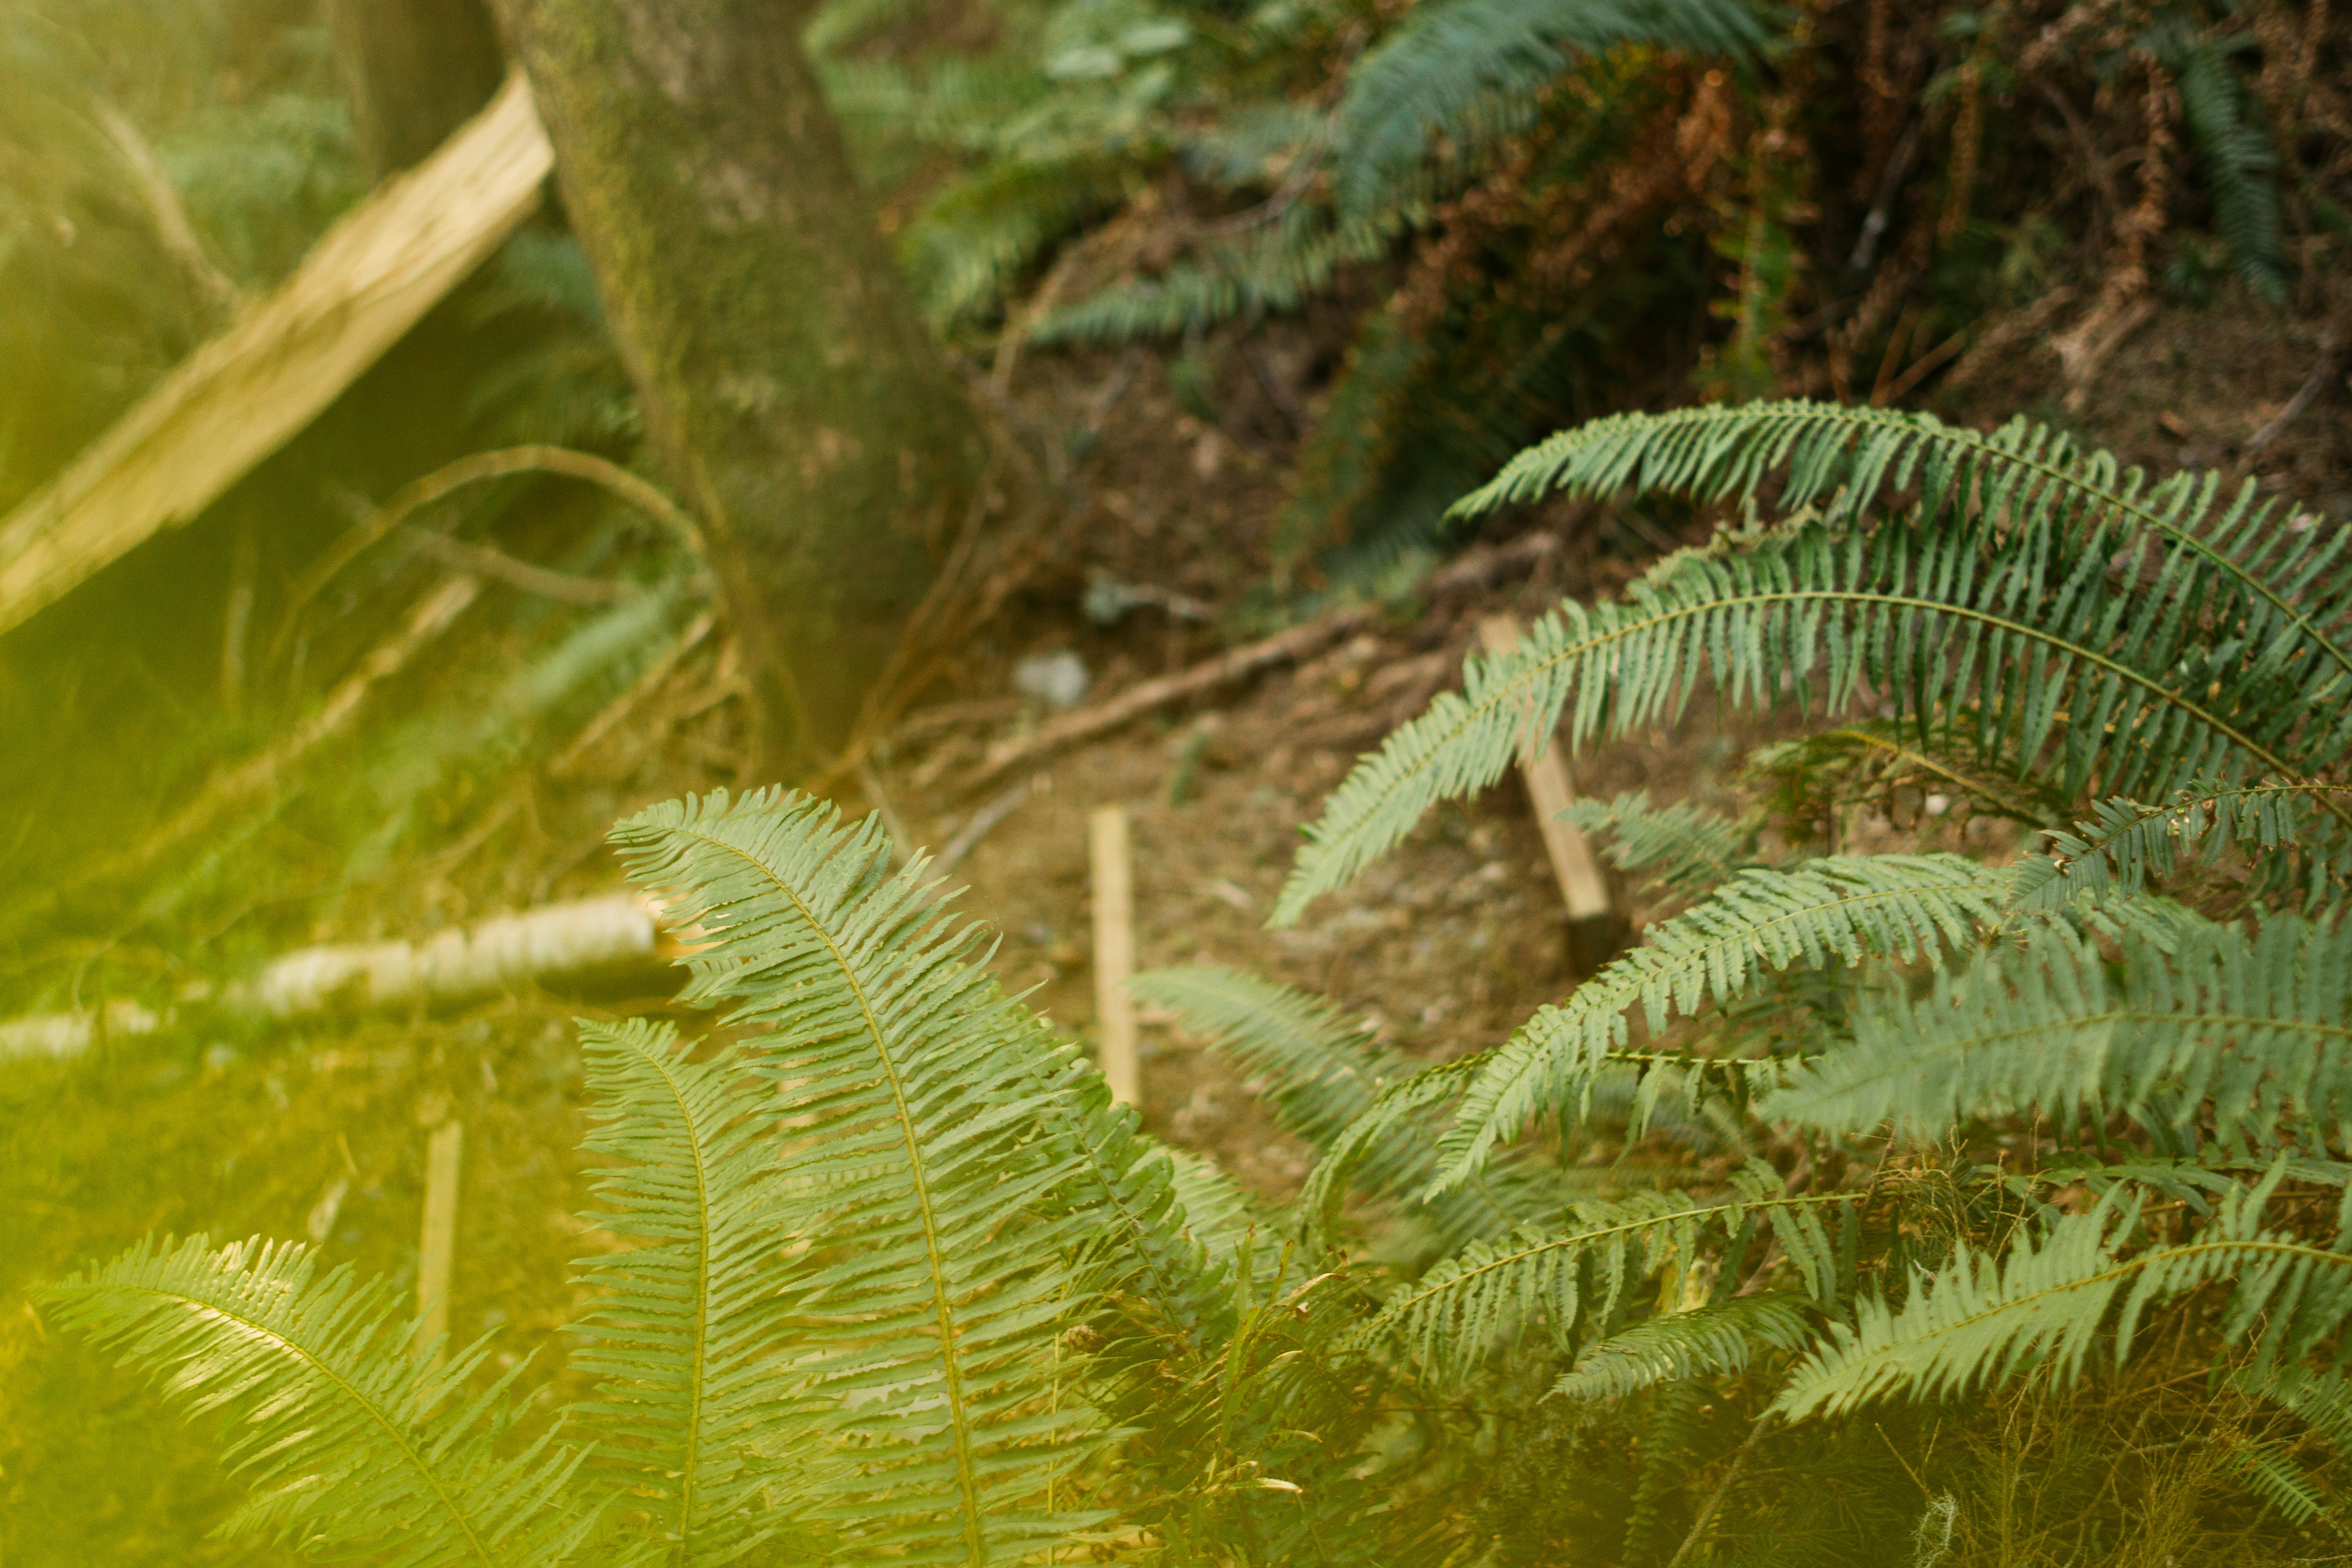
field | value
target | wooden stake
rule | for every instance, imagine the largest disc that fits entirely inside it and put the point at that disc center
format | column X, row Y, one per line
column 1114, row 889
column 1592, row 918
column 438, row 1250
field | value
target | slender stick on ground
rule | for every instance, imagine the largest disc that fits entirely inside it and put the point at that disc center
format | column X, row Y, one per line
column 436, row 1249
column 1114, row 891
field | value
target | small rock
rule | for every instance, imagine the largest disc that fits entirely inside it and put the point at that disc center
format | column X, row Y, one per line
column 1060, row 680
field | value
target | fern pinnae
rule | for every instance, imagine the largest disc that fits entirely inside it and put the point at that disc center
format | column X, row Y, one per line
column 1682, row 847
column 1321, row 1074
column 2241, row 1030
column 1459, row 1308
column 321, row 1366
column 1397, row 1108
column 2023, row 622
column 1704, row 1340
column 1983, row 1318
column 684, row 1339
column 920, row 1087
column 1840, row 909
column 1843, row 455
column 2126, row 842
column 1444, row 63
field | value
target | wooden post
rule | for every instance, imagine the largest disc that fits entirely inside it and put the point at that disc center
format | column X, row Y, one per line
column 1114, row 889
column 439, row 1248
column 1594, row 926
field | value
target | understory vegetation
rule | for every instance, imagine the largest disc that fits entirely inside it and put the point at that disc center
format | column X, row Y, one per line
column 1920, row 427
column 898, row 1279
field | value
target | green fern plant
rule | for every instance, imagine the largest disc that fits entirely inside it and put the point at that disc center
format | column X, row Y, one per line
column 2072, row 638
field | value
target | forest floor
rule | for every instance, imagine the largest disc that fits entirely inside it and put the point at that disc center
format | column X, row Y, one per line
column 320, row 1132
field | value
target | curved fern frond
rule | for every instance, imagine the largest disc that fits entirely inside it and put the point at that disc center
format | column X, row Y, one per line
column 2125, row 843
column 2250, row 1033
column 1683, row 847
column 1676, row 1347
column 684, row 1339
column 353, row 1445
column 1399, row 1107
column 1847, row 460
column 2014, row 629
column 1450, row 1318
column 1273, row 270
column 1833, row 910
column 2240, row 165
column 1320, row 1074
column 1467, row 70
column 1983, row 1319
column 913, row 1092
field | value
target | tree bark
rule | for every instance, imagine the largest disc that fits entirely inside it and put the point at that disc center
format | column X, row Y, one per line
column 415, row 70
column 787, row 384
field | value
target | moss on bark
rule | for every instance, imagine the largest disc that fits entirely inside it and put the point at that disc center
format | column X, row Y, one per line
column 789, row 386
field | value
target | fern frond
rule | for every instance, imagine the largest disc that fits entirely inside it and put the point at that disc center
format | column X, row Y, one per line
column 1271, row 269
column 1958, row 617
column 1320, row 1074
column 1983, row 1319
column 2237, row 160
column 1217, row 1213
column 913, row 1092
column 1833, row 911
column 684, row 1338
column 2294, row 588
column 1450, row 1318
column 2125, row 843
column 353, row 1445
column 1469, row 70
column 1678, row 1346
column 2321, row 1401
column 1399, row 1107
column 2245, row 1033
column 1683, row 847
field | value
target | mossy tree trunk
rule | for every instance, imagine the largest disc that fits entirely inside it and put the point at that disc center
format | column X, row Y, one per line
column 415, row 71
column 787, row 384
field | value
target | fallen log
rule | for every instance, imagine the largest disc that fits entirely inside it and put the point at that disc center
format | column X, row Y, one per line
column 244, row 394
column 609, row 939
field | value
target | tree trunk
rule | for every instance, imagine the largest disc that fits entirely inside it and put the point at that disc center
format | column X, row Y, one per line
column 787, row 384
column 415, row 70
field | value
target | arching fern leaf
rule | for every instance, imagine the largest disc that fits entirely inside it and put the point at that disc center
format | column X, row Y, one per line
column 1826, row 911
column 1468, row 70
column 1676, row 1347
column 1985, row 1318
column 2244, row 1033
column 2009, row 600
column 2125, row 843
column 353, row 1445
column 911, row 1086
column 685, row 1339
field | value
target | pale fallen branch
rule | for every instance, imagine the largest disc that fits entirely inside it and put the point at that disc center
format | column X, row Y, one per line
column 1137, row 701
column 614, row 937
column 1473, row 571
column 244, row 394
